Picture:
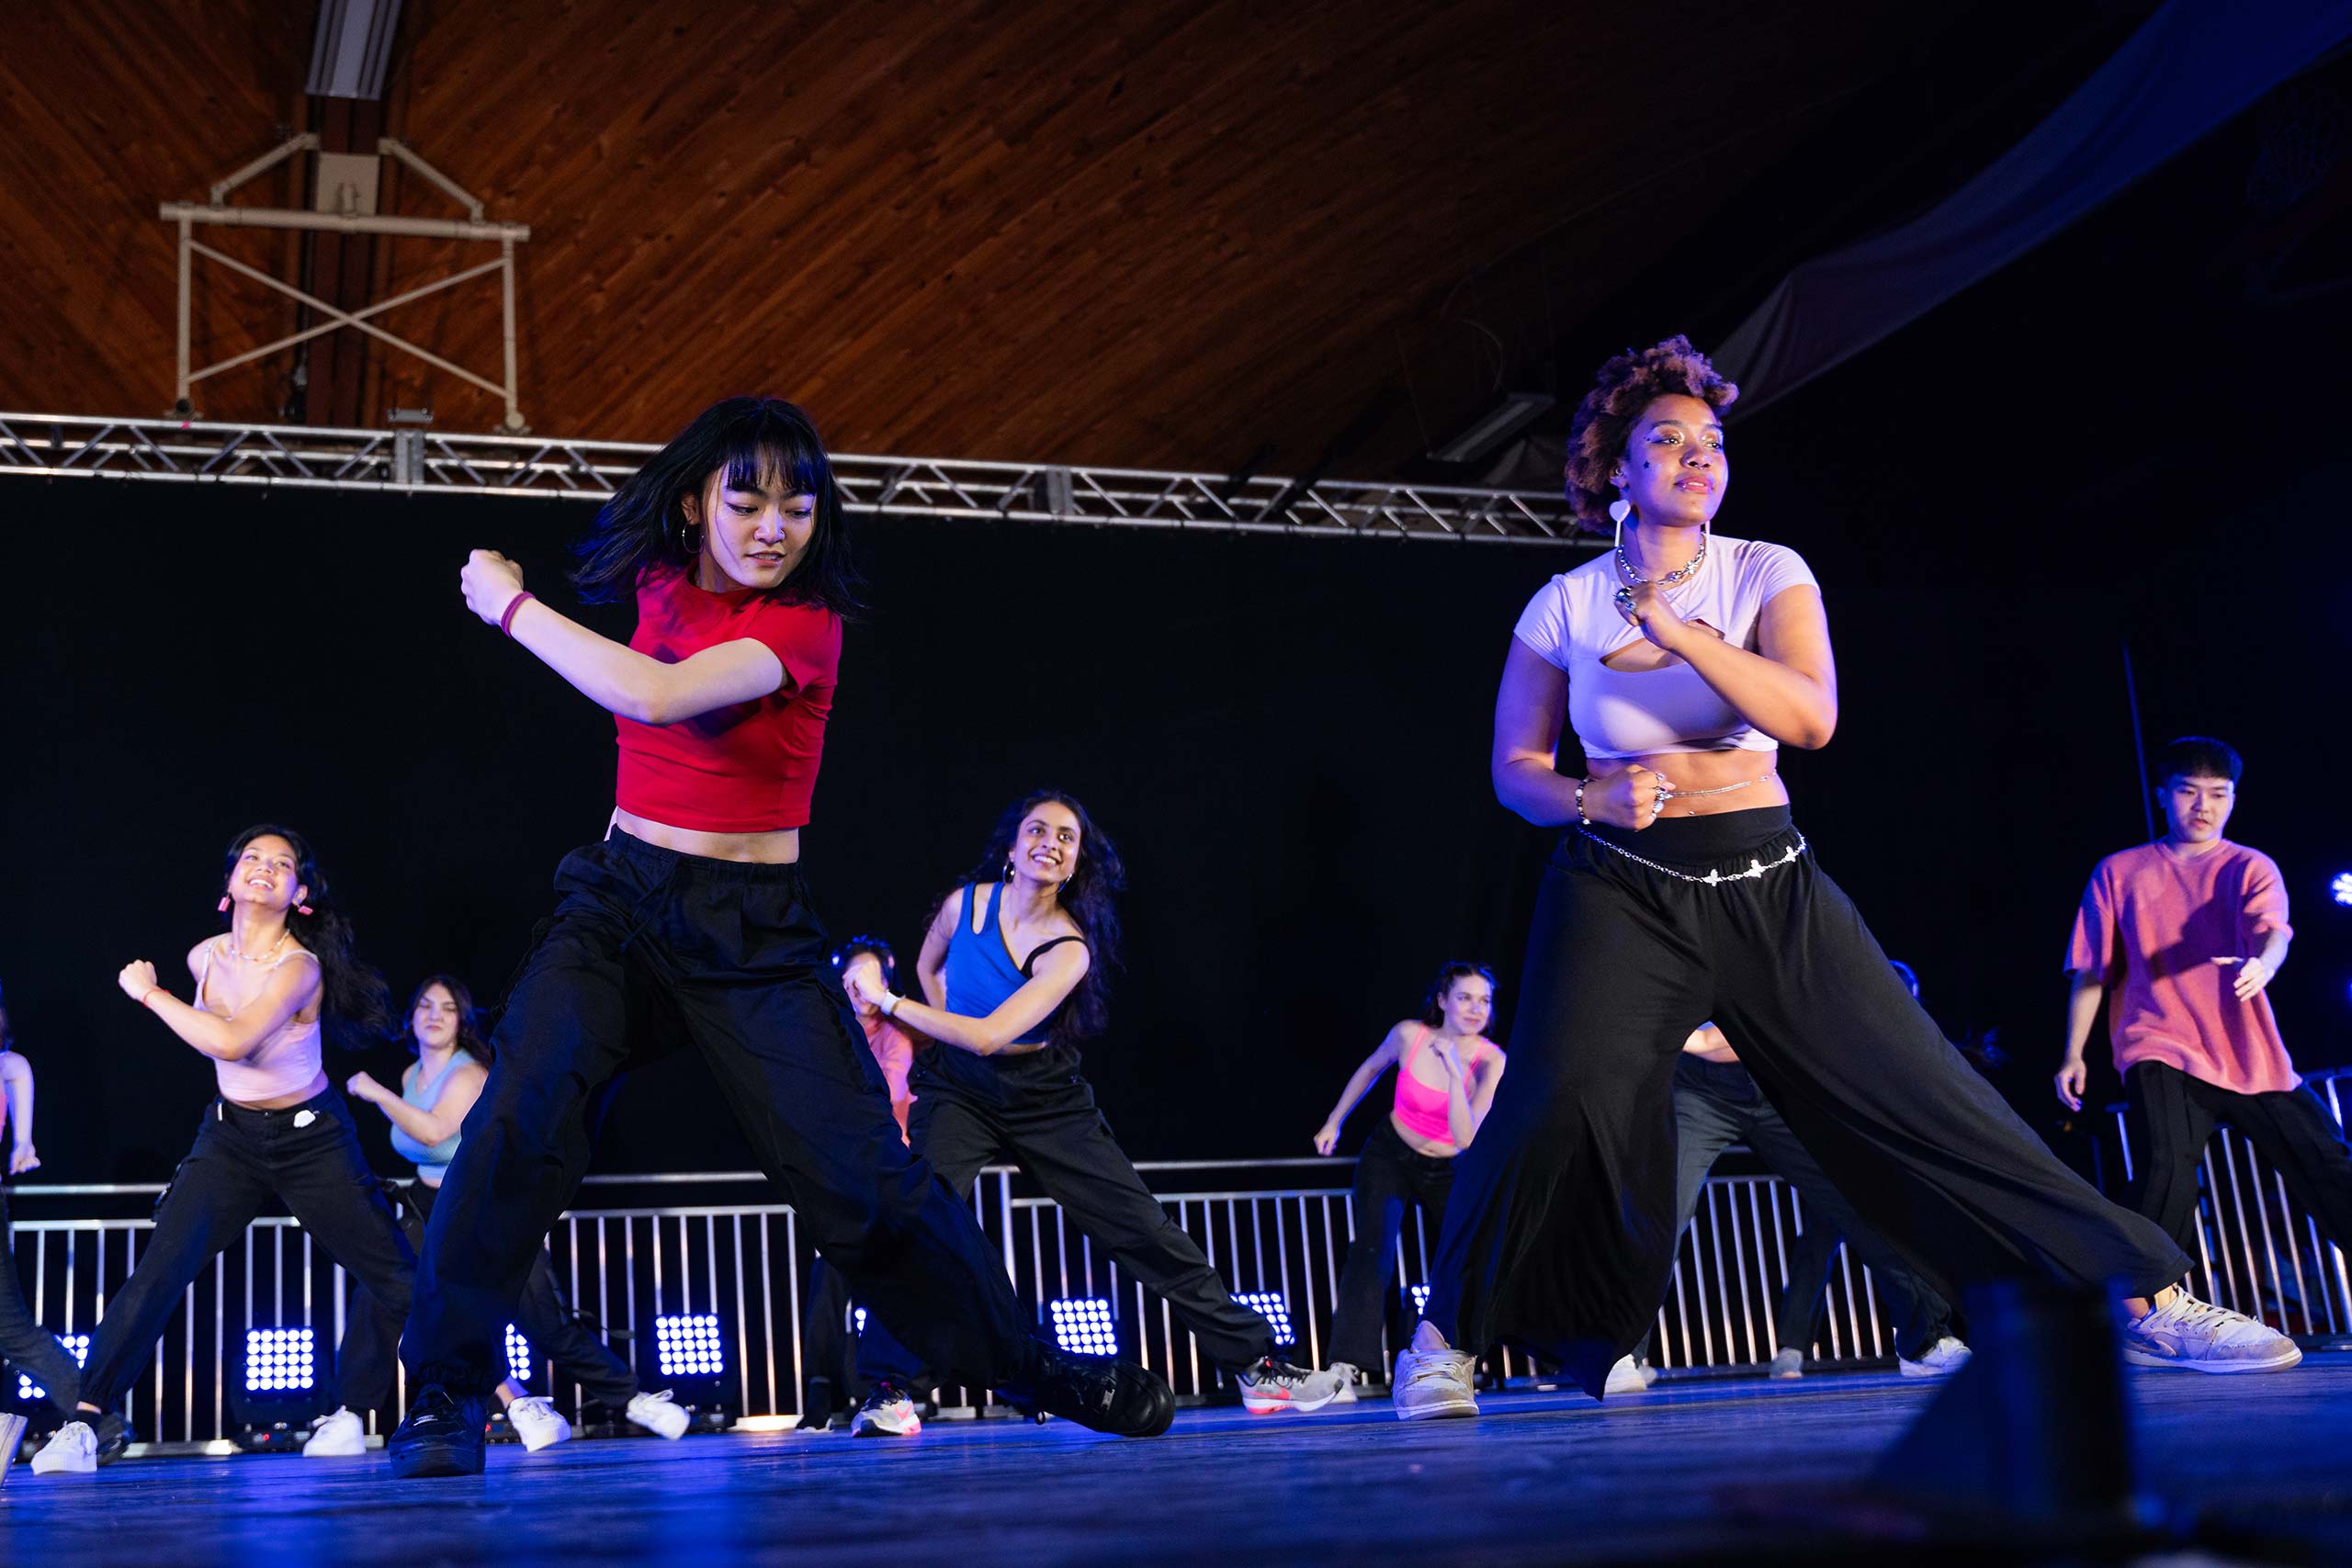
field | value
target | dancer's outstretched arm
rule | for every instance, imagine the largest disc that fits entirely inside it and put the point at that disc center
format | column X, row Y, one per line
column 17, row 1089
column 1385, row 1055
column 1057, row 974
column 289, row 988
column 613, row 675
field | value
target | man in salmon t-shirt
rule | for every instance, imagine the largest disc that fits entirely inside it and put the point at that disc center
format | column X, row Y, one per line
column 2186, row 933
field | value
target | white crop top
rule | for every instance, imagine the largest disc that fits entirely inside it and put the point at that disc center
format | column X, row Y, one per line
column 1574, row 624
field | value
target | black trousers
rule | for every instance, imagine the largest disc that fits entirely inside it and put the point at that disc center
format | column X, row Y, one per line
column 26, row 1344
column 2173, row 1115
column 1560, row 1233
column 1718, row 1104
column 542, row 1314
column 649, row 952
column 308, row 1157
column 1054, row 1133
column 1390, row 1174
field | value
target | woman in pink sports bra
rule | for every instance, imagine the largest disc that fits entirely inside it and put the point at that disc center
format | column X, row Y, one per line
column 277, row 1131
column 1446, row 1074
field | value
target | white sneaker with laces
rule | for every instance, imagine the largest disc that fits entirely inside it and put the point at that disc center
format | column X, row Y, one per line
column 888, row 1411
column 1434, row 1384
column 73, row 1450
column 1628, row 1377
column 536, row 1421
column 1275, row 1386
column 1788, row 1361
column 659, row 1416
column 2202, row 1338
column 1347, row 1372
column 1940, row 1360
column 339, row 1435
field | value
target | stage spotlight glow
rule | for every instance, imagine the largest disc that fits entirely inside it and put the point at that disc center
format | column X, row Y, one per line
column 687, row 1345
column 2342, row 887
column 1083, row 1325
column 860, row 1315
column 278, row 1359
column 519, row 1356
column 1420, row 1297
column 1270, row 1305
column 76, row 1346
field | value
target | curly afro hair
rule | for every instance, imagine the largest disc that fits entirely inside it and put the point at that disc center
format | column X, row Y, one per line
column 1624, row 388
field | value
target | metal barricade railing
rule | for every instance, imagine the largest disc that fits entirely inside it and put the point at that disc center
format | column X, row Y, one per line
column 1282, row 1236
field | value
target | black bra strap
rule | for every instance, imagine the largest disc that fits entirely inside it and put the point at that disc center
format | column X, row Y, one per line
column 1029, row 969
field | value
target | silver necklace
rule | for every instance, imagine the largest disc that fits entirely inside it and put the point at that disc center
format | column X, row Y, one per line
column 1680, row 574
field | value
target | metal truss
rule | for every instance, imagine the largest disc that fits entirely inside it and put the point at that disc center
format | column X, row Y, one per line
column 426, row 462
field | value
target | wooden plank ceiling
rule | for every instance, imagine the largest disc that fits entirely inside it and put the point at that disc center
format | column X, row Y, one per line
column 1148, row 233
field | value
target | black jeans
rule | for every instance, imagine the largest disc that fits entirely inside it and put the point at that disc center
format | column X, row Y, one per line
column 1054, row 1133
column 648, row 951
column 2174, row 1115
column 1560, row 1235
column 26, row 1344
column 542, row 1314
column 1717, row 1104
column 308, row 1157
column 1390, row 1174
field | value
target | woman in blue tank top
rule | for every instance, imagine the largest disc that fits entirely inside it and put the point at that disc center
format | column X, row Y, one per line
column 1013, row 969
column 428, row 1116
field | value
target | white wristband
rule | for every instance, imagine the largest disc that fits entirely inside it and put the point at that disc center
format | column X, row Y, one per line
column 889, row 1003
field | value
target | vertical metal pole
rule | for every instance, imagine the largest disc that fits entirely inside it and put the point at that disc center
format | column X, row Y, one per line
column 506, row 280
column 187, row 268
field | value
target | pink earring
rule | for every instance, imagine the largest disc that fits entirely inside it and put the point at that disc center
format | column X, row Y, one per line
column 305, row 909
column 224, row 903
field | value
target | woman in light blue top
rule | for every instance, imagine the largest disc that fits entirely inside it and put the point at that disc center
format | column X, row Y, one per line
column 427, row 1116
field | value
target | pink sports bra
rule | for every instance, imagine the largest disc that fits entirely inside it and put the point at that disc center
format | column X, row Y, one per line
column 1420, row 1109
column 285, row 1063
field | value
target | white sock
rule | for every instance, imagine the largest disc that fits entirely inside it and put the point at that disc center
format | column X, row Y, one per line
column 1426, row 1338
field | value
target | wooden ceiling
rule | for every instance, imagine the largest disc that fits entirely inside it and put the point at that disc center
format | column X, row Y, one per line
column 1148, row 233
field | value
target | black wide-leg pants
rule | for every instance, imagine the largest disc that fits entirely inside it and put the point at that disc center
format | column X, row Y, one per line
column 24, row 1344
column 307, row 1157
column 1390, row 1174
column 1054, row 1132
column 2173, row 1115
column 1560, row 1233
column 649, row 950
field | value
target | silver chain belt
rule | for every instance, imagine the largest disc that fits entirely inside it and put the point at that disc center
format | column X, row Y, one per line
column 1755, row 868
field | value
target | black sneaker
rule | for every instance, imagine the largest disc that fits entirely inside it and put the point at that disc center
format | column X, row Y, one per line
column 114, row 1435
column 442, row 1436
column 1102, row 1395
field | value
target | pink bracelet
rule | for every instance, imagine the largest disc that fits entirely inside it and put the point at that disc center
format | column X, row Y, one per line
column 507, row 621
column 147, row 997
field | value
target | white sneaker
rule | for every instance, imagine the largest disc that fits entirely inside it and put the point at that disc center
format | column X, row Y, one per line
column 886, row 1413
column 1275, row 1386
column 1940, row 1360
column 1788, row 1361
column 536, row 1421
column 1629, row 1377
column 1433, row 1384
column 73, row 1450
column 1347, row 1372
column 2203, row 1338
column 338, row 1436
column 657, row 1415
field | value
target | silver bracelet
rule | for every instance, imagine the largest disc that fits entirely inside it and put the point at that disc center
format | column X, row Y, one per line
column 1582, row 820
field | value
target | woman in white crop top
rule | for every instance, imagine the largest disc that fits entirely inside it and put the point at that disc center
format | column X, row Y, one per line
column 277, row 1132
column 1681, row 892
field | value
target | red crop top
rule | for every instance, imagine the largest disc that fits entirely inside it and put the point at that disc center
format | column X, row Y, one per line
column 746, row 769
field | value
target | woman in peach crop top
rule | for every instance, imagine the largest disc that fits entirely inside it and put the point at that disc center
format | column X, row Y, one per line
column 1446, row 1074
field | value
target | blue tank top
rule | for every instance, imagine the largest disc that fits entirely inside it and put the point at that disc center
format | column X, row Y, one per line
column 432, row 1160
column 980, row 974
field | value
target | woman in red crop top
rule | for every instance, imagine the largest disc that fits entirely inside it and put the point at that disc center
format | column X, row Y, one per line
column 1446, row 1074
column 690, row 924
column 1681, row 892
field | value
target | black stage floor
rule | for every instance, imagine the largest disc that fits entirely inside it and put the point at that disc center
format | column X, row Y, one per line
column 1703, row 1471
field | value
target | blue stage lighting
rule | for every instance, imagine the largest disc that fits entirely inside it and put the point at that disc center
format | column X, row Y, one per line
column 278, row 1359
column 1084, row 1325
column 2342, row 887
column 1420, row 1297
column 687, row 1345
column 860, row 1315
column 76, row 1346
column 1270, row 1305
column 519, row 1356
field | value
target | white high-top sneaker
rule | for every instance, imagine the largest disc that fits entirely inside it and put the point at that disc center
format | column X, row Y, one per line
column 338, row 1436
column 1940, row 1360
column 659, row 1416
column 536, row 1421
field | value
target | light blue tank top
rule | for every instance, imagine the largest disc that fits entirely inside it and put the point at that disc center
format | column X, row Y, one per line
column 432, row 1160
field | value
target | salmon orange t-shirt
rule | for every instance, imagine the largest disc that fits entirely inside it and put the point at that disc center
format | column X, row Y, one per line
column 2152, row 922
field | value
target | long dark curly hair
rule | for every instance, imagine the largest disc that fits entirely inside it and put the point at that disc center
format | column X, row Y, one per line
column 470, row 1036
column 1090, row 899
column 353, row 1007
column 644, row 528
column 1623, row 389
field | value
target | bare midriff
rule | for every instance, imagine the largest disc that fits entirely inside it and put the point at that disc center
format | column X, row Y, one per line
column 1420, row 1145
column 1706, row 770
column 303, row 1095
column 779, row 848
